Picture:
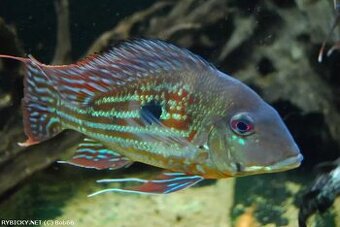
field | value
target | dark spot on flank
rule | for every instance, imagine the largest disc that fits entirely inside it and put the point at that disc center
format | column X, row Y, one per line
column 151, row 112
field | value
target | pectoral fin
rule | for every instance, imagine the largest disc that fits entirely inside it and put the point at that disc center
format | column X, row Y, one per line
column 164, row 184
column 93, row 154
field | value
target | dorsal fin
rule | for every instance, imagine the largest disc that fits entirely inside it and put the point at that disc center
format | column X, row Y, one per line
column 79, row 83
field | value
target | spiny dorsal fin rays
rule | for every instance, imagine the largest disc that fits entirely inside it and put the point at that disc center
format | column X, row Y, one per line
column 79, row 83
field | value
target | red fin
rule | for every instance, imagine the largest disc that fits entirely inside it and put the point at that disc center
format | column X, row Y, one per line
column 92, row 154
column 166, row 183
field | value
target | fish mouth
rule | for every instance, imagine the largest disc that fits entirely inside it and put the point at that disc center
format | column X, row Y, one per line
column 286, row 164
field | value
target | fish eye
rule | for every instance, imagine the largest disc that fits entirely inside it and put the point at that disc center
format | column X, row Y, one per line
column 242, row 124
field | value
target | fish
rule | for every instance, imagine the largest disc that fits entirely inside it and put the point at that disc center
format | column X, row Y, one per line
column 153, row 102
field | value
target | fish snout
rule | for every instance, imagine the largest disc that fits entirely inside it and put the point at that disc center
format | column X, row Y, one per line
column 292, row 158
column 288, row 163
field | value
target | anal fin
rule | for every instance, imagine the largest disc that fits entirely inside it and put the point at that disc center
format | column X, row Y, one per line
column 93, row 154
column 166, row 183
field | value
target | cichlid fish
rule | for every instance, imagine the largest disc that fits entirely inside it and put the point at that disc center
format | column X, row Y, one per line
column 152, row 102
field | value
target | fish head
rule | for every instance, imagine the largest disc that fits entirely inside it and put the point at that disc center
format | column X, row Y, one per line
column 251, row 137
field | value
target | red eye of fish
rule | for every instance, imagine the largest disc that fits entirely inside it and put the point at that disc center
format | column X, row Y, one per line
column 242, row 124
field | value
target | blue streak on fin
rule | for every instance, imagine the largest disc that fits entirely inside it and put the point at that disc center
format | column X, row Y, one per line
column 93, row 154
column 166, row 183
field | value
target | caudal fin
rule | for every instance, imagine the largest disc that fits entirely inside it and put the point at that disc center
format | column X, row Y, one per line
column 39, row 103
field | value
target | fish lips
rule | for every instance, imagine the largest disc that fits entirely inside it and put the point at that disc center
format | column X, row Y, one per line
column 283, row 165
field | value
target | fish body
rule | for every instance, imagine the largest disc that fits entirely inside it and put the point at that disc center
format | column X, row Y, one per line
column 150, row 101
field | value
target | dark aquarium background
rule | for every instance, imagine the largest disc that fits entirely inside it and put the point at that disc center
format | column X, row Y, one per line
column 272, row 46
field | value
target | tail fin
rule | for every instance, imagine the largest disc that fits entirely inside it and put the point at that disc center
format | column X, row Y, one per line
column 39, row 103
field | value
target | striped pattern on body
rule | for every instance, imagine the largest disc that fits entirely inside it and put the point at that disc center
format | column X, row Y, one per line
column 115, row 118
column 102, row 97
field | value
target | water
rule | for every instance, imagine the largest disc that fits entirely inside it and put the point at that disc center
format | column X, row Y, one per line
column 271, row 46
